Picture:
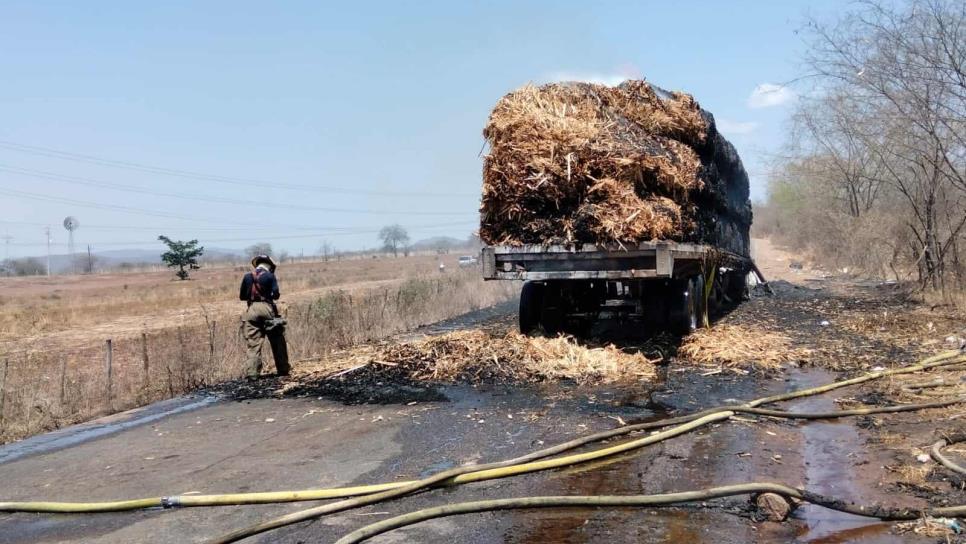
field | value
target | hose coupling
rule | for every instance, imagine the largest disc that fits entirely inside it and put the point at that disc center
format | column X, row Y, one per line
column 170, row 502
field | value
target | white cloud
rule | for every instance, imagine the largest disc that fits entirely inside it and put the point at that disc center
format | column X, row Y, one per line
column 589, row 77
column 735, row 128
column 767, row 95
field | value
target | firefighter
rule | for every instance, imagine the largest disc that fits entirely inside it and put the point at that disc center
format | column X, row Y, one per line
column 259, row 288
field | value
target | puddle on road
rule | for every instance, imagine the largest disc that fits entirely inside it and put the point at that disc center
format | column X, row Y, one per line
column 829, row 450
column 688, row 462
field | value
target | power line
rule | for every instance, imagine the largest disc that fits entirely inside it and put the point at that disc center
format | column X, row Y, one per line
column 95, row 205
column 140, row 211
column 249, row 238
column 200, row 198
column 343, row 232
column 194, row 228
column 78, row 157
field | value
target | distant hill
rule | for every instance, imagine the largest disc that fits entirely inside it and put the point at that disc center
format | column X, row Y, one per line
column 440, row 242
column 61, row 263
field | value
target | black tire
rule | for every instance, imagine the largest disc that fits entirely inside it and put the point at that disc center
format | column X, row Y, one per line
column 697, row 289
column 531, row 306
column 737, row 288
column 716, row 295
column 553, row 309
column 683, row 306
column 655, row 301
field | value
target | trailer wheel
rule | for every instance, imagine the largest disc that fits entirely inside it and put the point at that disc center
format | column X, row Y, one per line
column 554, row 309
column 698, row 302
column 684, row 308
column 531, row 306
column 737, row 286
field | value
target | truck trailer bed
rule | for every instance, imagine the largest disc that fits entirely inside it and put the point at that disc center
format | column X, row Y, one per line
column 587, row 262
column 661, row 283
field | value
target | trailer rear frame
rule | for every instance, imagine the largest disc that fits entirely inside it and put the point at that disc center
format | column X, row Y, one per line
column 661, row 283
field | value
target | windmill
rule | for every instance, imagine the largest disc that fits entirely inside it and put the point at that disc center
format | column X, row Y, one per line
column 71, row 224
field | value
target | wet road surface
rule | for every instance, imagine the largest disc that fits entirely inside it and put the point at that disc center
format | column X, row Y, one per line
column 285, row 444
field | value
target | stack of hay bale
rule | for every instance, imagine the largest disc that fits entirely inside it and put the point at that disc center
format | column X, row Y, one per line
column 574, row 163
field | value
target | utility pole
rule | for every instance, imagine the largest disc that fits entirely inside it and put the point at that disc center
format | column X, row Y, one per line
column 6, row 246
column 90, row 260
column 47, row 233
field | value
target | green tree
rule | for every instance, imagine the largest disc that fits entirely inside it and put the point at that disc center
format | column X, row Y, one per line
column 183, row 255
column 394, row 237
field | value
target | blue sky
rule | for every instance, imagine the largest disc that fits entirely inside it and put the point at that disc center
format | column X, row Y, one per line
column 351, row 105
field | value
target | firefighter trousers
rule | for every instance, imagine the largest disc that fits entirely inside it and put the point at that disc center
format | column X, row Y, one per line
column 254, row 327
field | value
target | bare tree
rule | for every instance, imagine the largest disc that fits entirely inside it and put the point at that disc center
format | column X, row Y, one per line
column 831, row 127
column 86, row 263
column 901, row 71
column 26, row 266
column 326, row 250
column 394, row 238
column 261, row 248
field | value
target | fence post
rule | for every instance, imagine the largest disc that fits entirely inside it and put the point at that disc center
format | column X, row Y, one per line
column 170, row 379
column 211, row 351
column 182, row 358
column 3, row 386
column 211, row 342
column 144, row 360
column 110, row 373
column 63, row 381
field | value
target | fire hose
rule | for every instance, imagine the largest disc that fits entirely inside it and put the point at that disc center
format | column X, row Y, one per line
column 370, row 494
column 943, row 460
column 650, row 501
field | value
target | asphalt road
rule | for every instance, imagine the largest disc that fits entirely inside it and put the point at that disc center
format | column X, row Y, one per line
column 299, row 443
column 282, row 444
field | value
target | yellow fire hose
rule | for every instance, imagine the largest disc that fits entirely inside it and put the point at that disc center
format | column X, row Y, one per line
column 507, row 468
column 473, row 473
column 650, row 501
column 943, row 460
column 272, row 497
column 943, row 359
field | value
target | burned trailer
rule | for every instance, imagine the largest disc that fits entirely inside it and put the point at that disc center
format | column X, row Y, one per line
column 618, row 200
column 661, row 284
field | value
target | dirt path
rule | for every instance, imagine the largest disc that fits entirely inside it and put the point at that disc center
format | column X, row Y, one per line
column 290, row 443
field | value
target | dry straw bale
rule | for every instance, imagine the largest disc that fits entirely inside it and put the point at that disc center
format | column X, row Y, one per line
column 580, row 162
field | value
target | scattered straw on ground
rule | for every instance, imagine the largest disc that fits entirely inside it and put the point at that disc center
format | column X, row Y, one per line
column 477, row 355
column 739, row 346
column 916, row 475
column 930, row 527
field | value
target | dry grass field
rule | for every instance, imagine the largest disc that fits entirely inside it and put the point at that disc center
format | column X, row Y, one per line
column 168, row 337
column 73, row 308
